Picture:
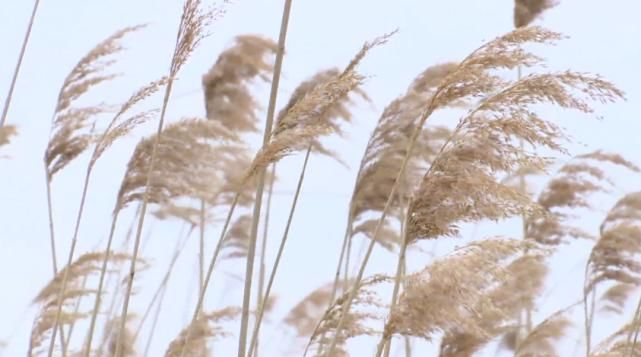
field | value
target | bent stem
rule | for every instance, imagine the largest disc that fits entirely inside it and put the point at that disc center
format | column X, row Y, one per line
column 244, row 322
column 16, row 71
column 281, row 248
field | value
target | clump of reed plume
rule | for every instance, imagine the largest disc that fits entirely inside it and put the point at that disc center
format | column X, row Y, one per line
column 516, row 293
column 461, row 184
column 613, row 261
column 368, row 309
column 526, row 11
column 193, row 339
column 57, row 305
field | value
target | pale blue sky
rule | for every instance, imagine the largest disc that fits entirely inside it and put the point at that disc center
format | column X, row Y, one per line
column 604, row 39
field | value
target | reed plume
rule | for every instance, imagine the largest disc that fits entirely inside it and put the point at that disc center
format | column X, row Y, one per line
column 128, row 341
column 190, row 152
column 456, row 185
column 56, row 304
column 570, row 189
column 613, row 260
column 384, row 153
column 521, row 285
column 237, row 238
column 368, row 308
column 306, row 314
column 193, row 339
column 618, row 344
column 6, row 132
column 226, row 85
column 73, row 127
column 446, row 295
column 526, row 11
column 306, row 120
column 542, row 338
column 614, row 257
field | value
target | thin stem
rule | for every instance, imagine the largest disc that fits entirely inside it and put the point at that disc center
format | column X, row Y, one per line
column 116, row 280
column 587, row 314
column 408, row 347
column 52, row 235
column 332, row 296
column 141, row 219
column 385, row 343
column 348, row 254
column 14, row 79
column 201, row 247
column 636, row 322
column 281, row 248
column 263, row 252
column 244, row 322
column 159, row 295
column 101, row 283
column 72, row 249
column 398, row 278
column 180, row 245
column 210, row 270
column 154, row 323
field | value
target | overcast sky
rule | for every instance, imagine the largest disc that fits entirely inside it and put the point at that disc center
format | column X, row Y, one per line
column 604, row 38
